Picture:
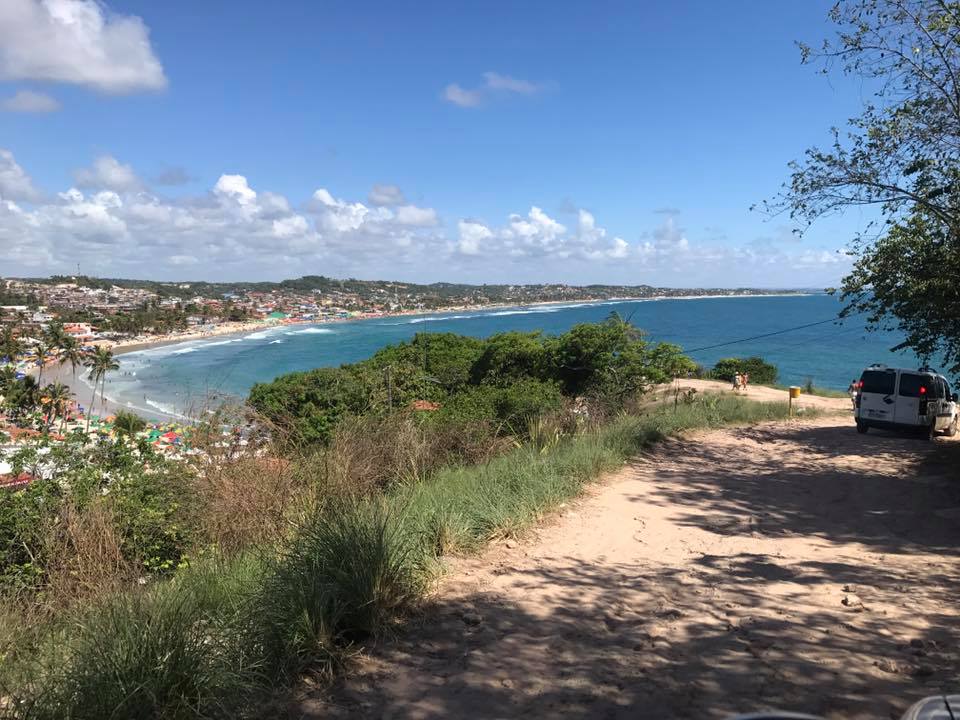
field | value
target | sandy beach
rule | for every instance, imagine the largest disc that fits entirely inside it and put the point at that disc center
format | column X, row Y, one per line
column 83, row 390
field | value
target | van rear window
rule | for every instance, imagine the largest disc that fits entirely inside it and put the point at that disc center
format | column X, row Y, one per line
column 910, row 385
column 878, row 381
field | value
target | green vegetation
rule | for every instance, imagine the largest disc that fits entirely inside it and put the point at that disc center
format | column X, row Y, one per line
column 505, row 379
column 225, row 632
column 132, row 504
column 901, row 156
column 761, row 372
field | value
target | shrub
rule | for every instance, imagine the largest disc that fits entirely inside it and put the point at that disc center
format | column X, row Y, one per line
column 155, row 517
column 25, row 516
column 607, row 359
column 308, row 405
column 88, row 496
column 351, row 568
column 508, row 406
column 760, row 371
column 445, row 358
column 128, row 422
column 509, row 357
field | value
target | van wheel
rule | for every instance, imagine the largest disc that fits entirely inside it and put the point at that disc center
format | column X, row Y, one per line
column 952, row 430
column 862, row 427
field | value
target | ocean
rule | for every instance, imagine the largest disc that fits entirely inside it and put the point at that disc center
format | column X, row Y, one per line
column 180, row 379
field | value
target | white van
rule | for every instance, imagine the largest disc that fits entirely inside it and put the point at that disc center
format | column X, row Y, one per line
column 899, row 398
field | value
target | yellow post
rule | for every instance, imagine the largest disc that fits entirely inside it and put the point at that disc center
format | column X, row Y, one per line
column 793, row 392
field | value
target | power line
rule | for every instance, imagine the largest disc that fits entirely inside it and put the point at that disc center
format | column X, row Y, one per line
column 758, row 337
column 821, row 338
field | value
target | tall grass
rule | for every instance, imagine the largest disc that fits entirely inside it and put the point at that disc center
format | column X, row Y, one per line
column 173, row 651
column 461, row 509
column 223, row 634
column 348, row 573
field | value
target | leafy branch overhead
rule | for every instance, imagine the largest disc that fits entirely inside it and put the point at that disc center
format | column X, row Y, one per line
column 901, row 156
column 903, row 150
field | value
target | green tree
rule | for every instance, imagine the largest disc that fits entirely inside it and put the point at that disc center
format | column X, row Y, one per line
column 8, row 379
column 901, row 156
column 23, row 397
column 759, row 370
column 72, row 354
column 10, row 343
column 307, row 406
column 100, row 363
column 57, row 398
column 128, row 423
column 43, row 351
column 509, row 357
column 55, row 335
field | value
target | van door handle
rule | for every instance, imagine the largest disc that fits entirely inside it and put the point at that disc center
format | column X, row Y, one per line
column 888, row 400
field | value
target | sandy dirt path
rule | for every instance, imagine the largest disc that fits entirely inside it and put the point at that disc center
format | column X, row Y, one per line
column 790, row 565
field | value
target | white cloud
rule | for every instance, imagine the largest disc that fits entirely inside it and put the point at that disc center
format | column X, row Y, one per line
column 236, row 230
column 236, row 188
column 537, row 233
column 416, row 216
column 493, row 84
column 386, row 195
column 472, row 234
column 92, row 219
column 464, row 98
column 107, row 172
column 79, row 42
column 27, row 101
column 341, row 216
column 496, row 81
column 15, row 184
column 620, row 249
column 290, row 226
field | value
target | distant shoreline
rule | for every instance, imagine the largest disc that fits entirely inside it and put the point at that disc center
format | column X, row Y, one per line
column 123, row 348
column 110, row 407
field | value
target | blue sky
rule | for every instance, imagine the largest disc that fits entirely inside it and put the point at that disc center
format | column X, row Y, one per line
column 611, row 142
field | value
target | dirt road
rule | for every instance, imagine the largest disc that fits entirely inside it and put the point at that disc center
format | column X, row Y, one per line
column 799, row 566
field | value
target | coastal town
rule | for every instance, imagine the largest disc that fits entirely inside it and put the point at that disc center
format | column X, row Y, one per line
column 125, row 314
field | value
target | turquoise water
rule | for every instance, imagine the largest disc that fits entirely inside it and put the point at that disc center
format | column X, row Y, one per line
column 179, row 378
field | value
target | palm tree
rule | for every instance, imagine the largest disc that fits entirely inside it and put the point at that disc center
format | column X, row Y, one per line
column 72, row 353
column 42, row 350
column 10, row 343
column 23, row 397
column 100, row 363
column 55, row 335
column 58, row 400
column 8, row 379
column 128, row 424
